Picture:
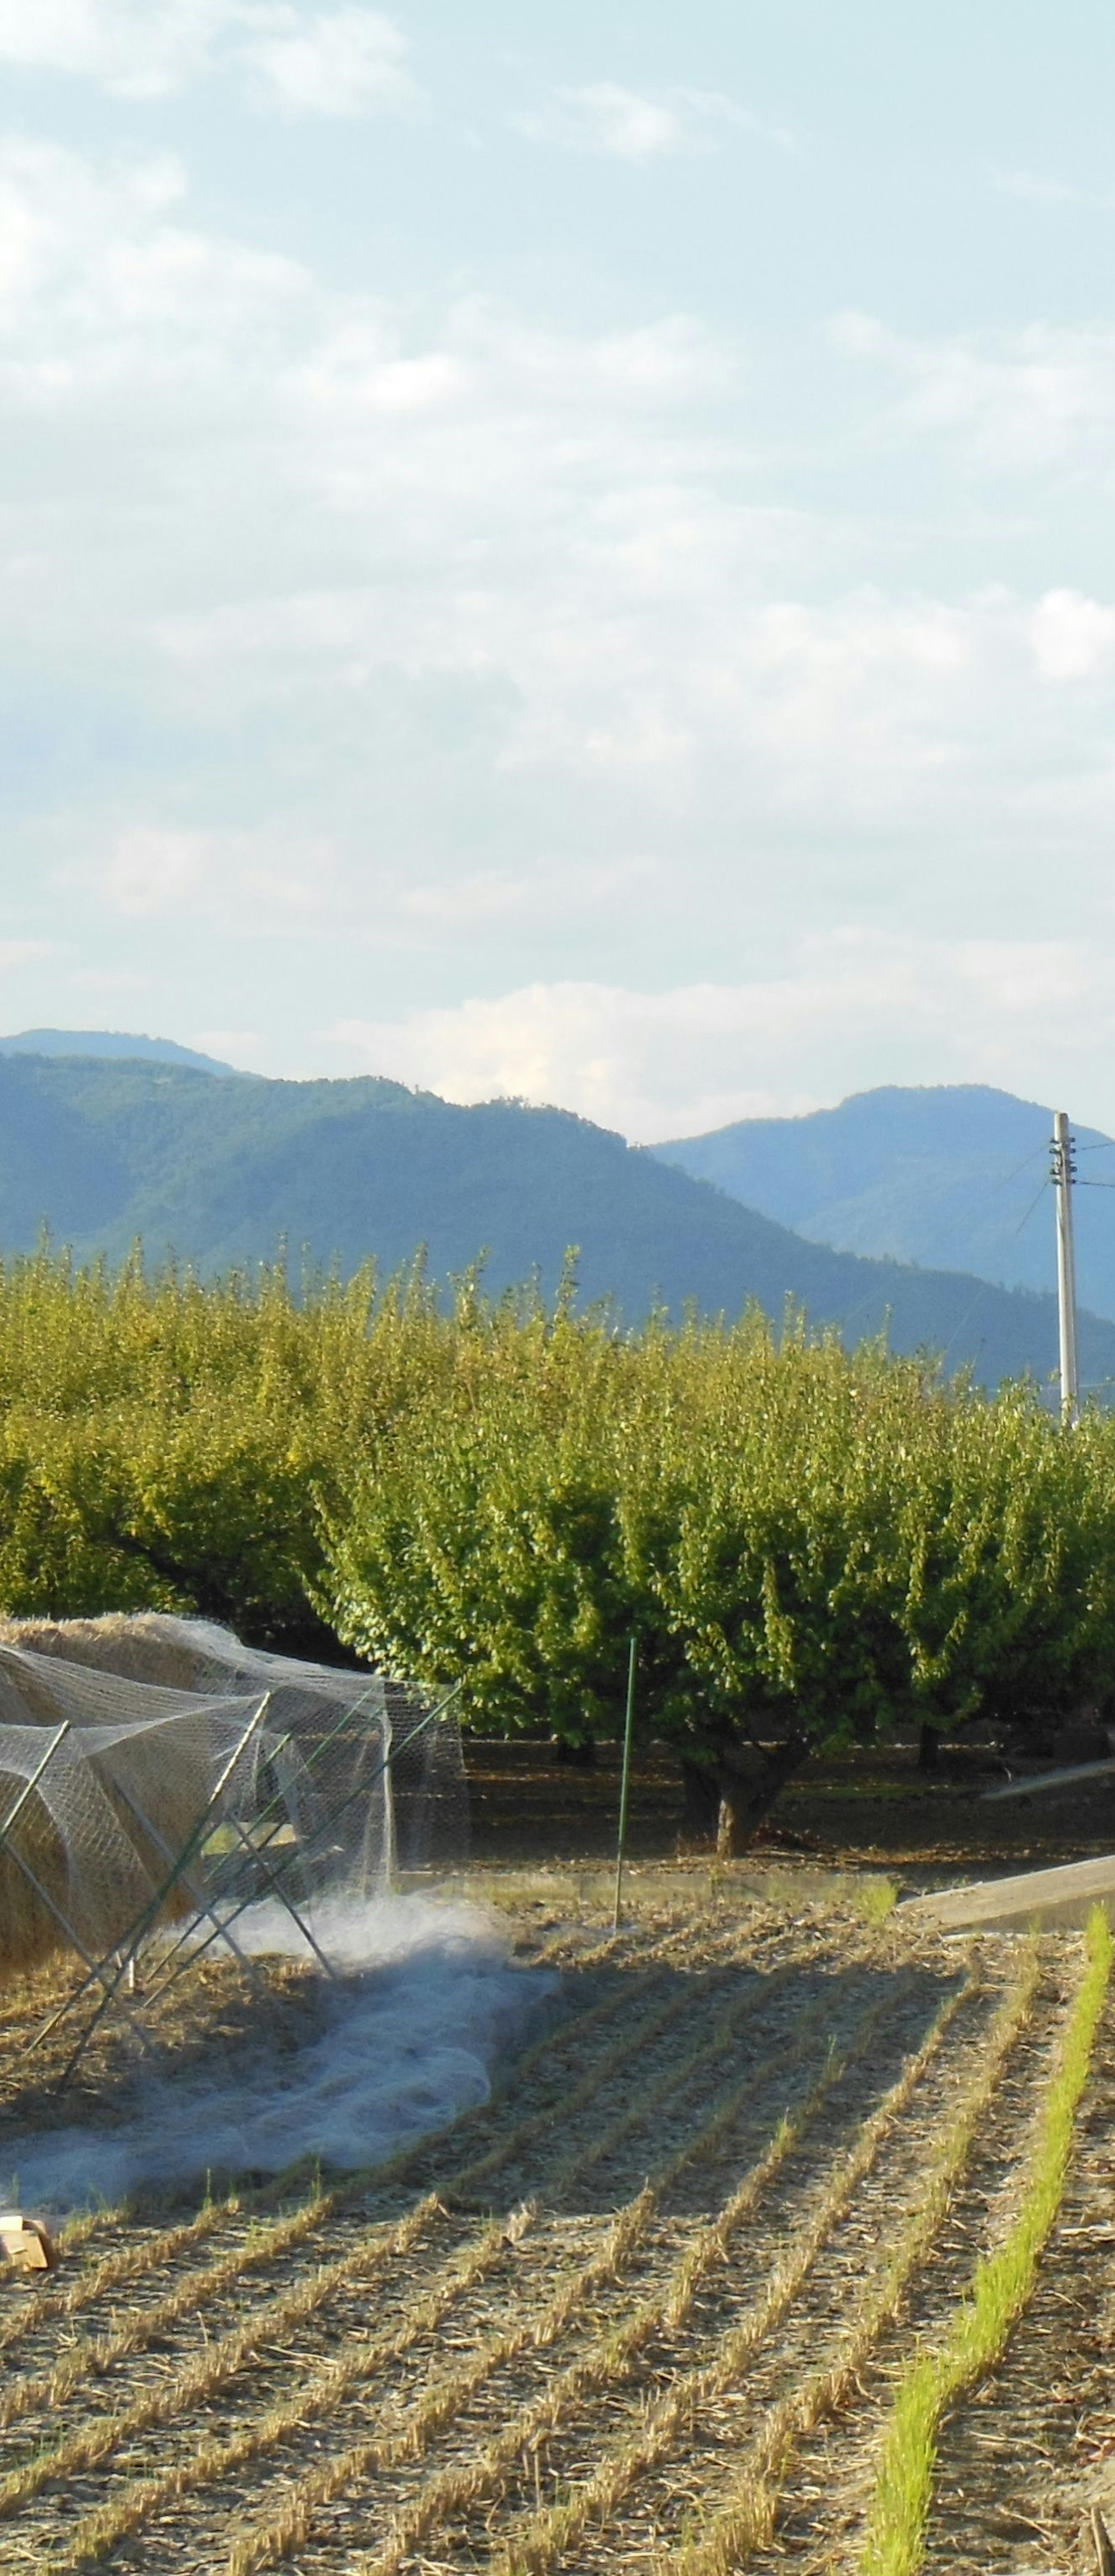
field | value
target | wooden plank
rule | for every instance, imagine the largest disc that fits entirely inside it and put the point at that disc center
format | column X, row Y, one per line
column 24, row 2242
column 1063, row 1896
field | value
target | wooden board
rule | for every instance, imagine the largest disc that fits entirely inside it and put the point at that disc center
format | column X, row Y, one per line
column 1053, row 1896
column 25, row 2245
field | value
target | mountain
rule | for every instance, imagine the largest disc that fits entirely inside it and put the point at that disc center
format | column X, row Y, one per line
column 220, row 1172
column 107, row 1042
column 951, row 1177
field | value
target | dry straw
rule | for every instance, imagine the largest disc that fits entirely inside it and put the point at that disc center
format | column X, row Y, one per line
column 361, row 2358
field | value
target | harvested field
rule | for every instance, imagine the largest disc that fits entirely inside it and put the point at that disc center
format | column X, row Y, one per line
column 649, row 2306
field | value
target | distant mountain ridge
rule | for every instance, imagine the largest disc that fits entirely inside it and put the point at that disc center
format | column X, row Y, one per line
column 107, row 1042
column 219, row 1173
column 951, row 1176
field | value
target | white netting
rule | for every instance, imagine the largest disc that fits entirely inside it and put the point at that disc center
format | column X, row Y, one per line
column 324, row 1795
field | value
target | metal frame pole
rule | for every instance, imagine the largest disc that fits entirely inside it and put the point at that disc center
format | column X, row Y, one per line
column 362, row 1787
column 222, row 1931
column 96, row 1967
column 33, row 1782
column 198, row 1897
column 256, row 1851
column 151, row 1911
column 625, row 1782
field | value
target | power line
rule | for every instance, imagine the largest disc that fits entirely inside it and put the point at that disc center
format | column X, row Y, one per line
column 1046, row 1184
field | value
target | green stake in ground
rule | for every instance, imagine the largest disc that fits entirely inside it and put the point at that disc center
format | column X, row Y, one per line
column 628, row 1731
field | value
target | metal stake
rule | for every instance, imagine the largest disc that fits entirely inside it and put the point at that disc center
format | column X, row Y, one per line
column 628, row 1732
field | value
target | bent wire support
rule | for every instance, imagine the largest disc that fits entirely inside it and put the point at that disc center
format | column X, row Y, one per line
column 272, row 1874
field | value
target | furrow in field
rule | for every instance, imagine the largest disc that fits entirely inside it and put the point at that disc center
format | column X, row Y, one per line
column 373, row 2251
column 835, row 2471
column 647, row 2037
column 542, row 2069
column 402, row 2441
column 475, row 2477
column 737, row 2418
column 665, row 2431
column 546, row 2061
column 608, row 2258
column 579, row 2135
column 274, row 2240
column 996, row 2297
column 751, row 2299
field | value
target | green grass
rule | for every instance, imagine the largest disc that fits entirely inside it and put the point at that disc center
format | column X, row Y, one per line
column 1000, row 2292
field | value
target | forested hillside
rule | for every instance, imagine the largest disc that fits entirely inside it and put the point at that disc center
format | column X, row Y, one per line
column 223, row 1172
column 950, row 1176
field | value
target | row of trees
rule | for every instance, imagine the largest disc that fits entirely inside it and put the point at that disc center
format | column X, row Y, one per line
column 810, row 1545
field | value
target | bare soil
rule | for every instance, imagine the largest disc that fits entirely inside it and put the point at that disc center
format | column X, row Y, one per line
column 596, row 2291
column 844, row 1810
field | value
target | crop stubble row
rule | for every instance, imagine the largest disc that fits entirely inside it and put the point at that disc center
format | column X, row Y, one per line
column 544, row 2386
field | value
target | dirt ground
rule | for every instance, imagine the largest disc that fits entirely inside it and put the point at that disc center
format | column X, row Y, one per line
column 844, row 1810
column 645, row 2308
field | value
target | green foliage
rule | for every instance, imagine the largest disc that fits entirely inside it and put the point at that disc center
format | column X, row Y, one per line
column 165, row 1446
column 810, row 1545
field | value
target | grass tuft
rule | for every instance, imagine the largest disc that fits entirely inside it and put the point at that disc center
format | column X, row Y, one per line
column 873, row 1899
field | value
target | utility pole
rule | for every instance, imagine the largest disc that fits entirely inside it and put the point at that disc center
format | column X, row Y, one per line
column 1063, row 1175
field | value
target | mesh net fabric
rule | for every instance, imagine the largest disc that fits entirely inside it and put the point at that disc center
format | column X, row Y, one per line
column 326, row 1794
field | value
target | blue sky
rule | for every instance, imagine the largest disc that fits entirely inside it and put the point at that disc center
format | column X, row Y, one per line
column 565, row 552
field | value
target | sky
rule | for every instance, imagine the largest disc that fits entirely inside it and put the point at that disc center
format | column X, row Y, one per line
column 563, row 552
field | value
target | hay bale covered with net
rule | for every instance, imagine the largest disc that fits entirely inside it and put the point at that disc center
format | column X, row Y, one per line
column 141, row 1647
column 155, row 1709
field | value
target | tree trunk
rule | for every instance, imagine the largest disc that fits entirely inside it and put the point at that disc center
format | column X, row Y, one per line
column 928, row 1745
column 749, row 1782
column 701, row 1794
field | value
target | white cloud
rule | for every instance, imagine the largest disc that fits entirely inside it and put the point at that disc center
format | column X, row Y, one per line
column 1029, row 1015
column 154, row 872
column 1072, row 636
column 107, row 980
column 104, row 289
column 347, row 63
column 134, row 48
column 24, row 952
column 1016, row 401
column 636, row 125
column 453, row 634
column 1041, row 191
column 343, row 62
column 496, row 588
column 259, row 881
column 230, row 1046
